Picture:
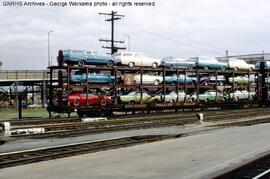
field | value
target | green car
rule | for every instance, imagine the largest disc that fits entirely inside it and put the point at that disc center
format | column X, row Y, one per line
column 242, row 80
column 135, row 96
column 210, row 95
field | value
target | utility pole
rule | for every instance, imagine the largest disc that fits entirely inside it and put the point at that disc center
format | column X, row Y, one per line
column 49, row 33
column 114, row 17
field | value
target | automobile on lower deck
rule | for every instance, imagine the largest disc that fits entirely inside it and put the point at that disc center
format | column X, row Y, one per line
column 176, row 62
column 174, row 97
column 135, row 96
column 210, row 95
column 242, row 94
column 78, row 99
column 84, row 57
column 135, row 59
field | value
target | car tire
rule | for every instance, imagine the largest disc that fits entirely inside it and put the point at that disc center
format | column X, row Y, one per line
column 206, row 67
column 236, row 69
column 223, row 68
column 250, row 69
column 81, row 62
column 77, row 102
column 189, row 67
column 131, row 64
column 103, row 102
column 156, row 82
column 154, row 65
column 206, row 100
column 110, row 63
column 171, row 101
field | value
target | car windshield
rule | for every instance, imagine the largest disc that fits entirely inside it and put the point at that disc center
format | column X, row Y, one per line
column 193, row 59
column 132, row 93
column 208, row 58
column 116, row 54
column 89, row 94
column 78, row 51
column 127, row 54
column 172, row 59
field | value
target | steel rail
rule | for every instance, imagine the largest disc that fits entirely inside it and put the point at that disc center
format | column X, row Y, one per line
column 43, row 154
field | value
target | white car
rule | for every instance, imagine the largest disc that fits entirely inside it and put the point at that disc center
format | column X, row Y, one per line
column 135, row 59
column 244, row 94
column 172, row 96
column 148, row 79
column 239, row 64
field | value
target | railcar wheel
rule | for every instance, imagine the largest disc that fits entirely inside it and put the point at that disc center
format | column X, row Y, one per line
column 80, row 114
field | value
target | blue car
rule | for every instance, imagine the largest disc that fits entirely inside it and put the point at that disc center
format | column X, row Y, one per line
column 266, row 66
column 181, row 79
column 79, row 77
column 209, row 63
column 82, row 57
column 174, row 62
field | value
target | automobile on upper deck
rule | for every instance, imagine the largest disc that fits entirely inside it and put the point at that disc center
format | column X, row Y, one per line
column 135, row 59
column 175, row 62
column 84, row 57
column 266, row 65
column 209, row 63
column 239, row 64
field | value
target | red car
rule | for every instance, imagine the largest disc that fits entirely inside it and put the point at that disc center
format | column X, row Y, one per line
column 78, row 99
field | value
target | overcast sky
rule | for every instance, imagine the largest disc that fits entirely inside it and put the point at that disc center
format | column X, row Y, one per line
column 181, row 28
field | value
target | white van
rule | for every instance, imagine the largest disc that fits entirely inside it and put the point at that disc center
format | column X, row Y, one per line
column 135, row 59
column 239, row 64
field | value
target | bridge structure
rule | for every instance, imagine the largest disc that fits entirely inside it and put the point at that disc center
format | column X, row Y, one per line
column 249, row 58
column 29, row 84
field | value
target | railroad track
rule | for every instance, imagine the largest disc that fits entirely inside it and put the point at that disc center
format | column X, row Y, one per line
column 211, row 116
column 37, row 155
column 39, row 121
column 255, row 169
column 72, row 130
